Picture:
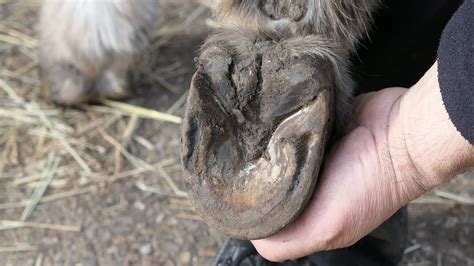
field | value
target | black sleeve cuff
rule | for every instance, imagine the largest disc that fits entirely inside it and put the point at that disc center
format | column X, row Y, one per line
column 456, row 69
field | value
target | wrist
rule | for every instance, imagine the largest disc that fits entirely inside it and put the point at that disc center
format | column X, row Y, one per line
column 410, row 179
column 426, row 149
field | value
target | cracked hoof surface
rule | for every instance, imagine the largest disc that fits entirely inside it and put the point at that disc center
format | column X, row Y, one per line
column 256, row 126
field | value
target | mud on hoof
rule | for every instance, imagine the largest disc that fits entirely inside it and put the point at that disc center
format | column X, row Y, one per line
column 257, row 120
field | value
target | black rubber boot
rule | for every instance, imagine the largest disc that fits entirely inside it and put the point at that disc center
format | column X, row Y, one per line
column 384, row 246
column 237, row 252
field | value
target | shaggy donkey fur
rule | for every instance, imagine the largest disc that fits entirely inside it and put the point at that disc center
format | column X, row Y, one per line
column 88, row 46
column 327, row 28
column 341, row 21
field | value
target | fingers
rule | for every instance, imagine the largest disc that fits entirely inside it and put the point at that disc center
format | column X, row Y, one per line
column 336, row 214
column 358, row 189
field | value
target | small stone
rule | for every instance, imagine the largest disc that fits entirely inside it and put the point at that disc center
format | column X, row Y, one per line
column 169, row 263
column 83, row 180
column 112, row 250
column 173, row 221
column 185, row 257
column 146, row 249
column 119, row 240
column 160, row 218
column 139, row 205
column 451, row 222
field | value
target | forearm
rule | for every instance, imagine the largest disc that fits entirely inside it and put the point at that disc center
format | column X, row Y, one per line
column 425, row 146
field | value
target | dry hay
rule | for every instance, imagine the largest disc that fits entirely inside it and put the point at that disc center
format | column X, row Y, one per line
column 49, row 153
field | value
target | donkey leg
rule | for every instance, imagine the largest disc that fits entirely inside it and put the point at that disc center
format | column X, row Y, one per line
column 92, row 38
column 340, row 23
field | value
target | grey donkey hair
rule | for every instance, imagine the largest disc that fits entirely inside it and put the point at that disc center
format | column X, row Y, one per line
column 88, row 46
column 327, row 28
column 341, row 21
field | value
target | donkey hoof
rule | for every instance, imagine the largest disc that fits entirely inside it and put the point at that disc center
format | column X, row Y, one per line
column 257, row 120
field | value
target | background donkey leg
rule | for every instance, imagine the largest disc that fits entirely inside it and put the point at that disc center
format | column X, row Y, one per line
column 98, row 41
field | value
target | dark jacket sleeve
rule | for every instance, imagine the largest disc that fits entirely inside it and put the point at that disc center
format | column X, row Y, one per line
column 456, row 69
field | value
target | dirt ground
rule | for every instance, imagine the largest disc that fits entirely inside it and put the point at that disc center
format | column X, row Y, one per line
column 111, row 176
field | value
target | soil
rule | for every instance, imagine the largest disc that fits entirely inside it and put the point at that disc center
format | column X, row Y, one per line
column 123, row 225
column 442, row 234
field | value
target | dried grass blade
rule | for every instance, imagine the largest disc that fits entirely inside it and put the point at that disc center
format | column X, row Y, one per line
column 39, row 260
column 138, row 163
column 144, row 187
column 11, row 93
column 142, row 112
column 16, row 41
column 63, row 141
column 55, row 227
column 171, row 183
column 49, row 198
column 457, row 198
column 18, row 248
column 39, row 191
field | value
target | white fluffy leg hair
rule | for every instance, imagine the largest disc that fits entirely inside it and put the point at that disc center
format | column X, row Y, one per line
column 89, row 46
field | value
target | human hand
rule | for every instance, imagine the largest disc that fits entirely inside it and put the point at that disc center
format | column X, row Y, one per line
column 371, row 173
column 358, row 189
